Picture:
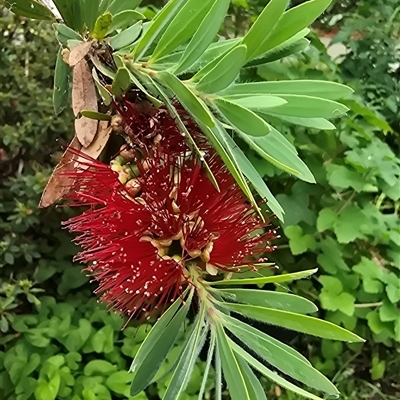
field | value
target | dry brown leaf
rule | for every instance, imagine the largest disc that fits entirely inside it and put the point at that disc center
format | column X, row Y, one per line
column 84, row 98
column 78, row 52
column 100, row 140
column 58, row 185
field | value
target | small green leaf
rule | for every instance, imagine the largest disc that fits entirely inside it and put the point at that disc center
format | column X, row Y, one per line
column 95, row 115
column 255, row 103
column 90, row 10
column 104, row 93
column 256, row 391
column 315, row 123
column 118, row 6
column 102, row 26
column 235, row 380
column 64, row 34
column 292, row 22
column 256, row 39
column 266, row 279
column 188, row 99
column 326, row 219
column 122, row 81
column 224, row 73
column 271, row 375
column 160, row 21
column 267, row 298
column 65, row 8
column 62, row 78
column 124, row 19
column 156, row 355
column 301, row 323
column 127, row 36
column 242, row 119
column 182, row 27
column 204, row 35
column 281, row 356
column 29, row 8
column 314, row 88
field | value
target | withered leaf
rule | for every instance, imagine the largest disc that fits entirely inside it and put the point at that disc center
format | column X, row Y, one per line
column 78, row 52
column 100, row 140
column 58, row 184
column 84, row 98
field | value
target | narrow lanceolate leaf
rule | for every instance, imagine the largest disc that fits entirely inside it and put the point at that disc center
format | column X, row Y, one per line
column 102, row 26
column 242, row 119
column 256, row 103
column 117, row 6
column 308, row 106
column 233, row 375
column 316, row 123
column 124, row 19
column 256, row 39
column 204, row 35
column 84, row 98
column 187, row 361
column 156, row 355
column 90, row 10
column 279, row 52
column 281, row 356
column 224, row 73
column 182, row 27
column 188, row 99
column 267, row 298
column 218, row 139
column 64, row 33
column 273, row 150
column 266, row 279
column 103, row 91
column 292, row 22
column 126, row 37
column 65, row 9
column 62, row 78
column 158, row 24
column 297, row 322
column 321, row 89
column 96, row 115
column 269, row 374
column 207, row 368
column 256, row 391
column 245, row 167
column 29, row 8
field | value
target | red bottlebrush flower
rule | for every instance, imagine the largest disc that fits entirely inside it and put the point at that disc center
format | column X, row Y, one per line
column 148, row 126
column 143, row 237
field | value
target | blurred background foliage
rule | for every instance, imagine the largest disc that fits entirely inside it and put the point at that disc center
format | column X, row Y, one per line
column 57, row 342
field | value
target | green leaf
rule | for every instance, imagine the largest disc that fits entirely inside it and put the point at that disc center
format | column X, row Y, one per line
column 65, row 8
column 271, row 375
column 256, row 391
column 266, row 279
column 184, row 368
column 299, row 242
column 224, row 73
column 204, row 35
column 122, row 81
column 102, row 26
column 95, row 115
column 118, row 6
column 281, row 356
column 64, row 34
column 62, row 78
column 242, row 119
column 118, row 382
column 124, row 19
column 326, row 219
column 187, row 98
column 272, row 149
column 210, row 355
column 255, row 103
column 235, row 380
column 286, row 49
column 292, row 22
column 256, row 39
column 149, row 365
column 301, row 323
column 182, row 27
column 104, row 93
column 267, row 298
column 349, row 223
column 90, row 10
column 314, row 88
column 159, row 22
column 127, row 36
column 315, row 123
column 29, row 8
column 307, row 106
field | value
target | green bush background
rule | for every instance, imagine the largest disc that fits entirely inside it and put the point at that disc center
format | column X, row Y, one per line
column 58, row 342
